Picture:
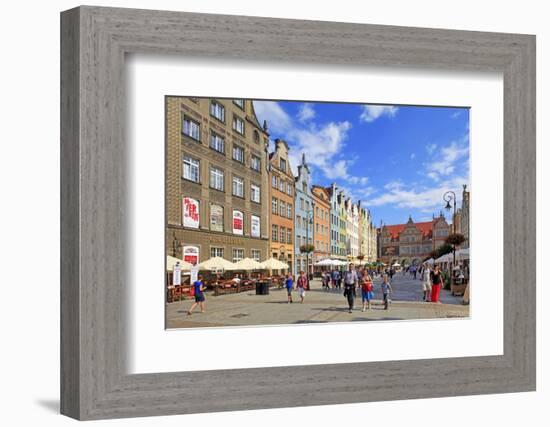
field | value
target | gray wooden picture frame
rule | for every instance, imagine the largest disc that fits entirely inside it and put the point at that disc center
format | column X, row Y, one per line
column 94, row 381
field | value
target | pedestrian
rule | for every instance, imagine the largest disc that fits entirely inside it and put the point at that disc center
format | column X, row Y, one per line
column 335, row 275
column 437, row 281
column 386, row 291
column 289, row 284
column 426, row 282
column 366, row 291
column 326, row 280
column 392, row 272
column 302, row 285
column 414, row 272
column 198, row 288
column 351, row 280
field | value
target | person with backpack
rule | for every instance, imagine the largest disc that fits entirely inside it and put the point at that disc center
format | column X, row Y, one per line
column 351, row 279
column 197, row 290
column 386, row 291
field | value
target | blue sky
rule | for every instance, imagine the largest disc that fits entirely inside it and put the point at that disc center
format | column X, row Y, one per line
column 399, row 160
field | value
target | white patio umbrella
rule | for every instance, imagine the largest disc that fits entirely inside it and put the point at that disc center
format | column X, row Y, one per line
column 216, row 263
column 430, row 261
column 327, row 262
column 247, row 264
column 396, row 265
column 171, row 261
column 463, row 254
column 274, row 264
column 445, row 258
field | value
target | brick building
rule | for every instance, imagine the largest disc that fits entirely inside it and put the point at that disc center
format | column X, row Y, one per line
column 217, row 181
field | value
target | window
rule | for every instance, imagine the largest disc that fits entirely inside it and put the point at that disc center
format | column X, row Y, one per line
column 217, row 110
column 238, row 125
column 304, row 187
column 239, row 102
column 238, row 186
column 301, row 204
column 190, row 169
column 255, row 163
column 282, row 186
column 298, row 221
column 273, row 205
column 238, row 254
column 282, row 208
column 289, row 189
column 255, row 193
column 256, row 137
column 256, row 254
column 289, row 235
column 214, row 252
column 216, row 218
column 274, row 232
column 191, row 128
column 217, row 142
column 274, row 181
column 238, row 153
column 282, row 165
column 283, row 234
column 289, row 211
column 216, row 179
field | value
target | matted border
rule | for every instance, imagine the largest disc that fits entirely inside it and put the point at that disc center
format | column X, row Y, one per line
column 94, row 234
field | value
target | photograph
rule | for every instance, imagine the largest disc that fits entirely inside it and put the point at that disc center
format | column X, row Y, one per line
column 282, row 212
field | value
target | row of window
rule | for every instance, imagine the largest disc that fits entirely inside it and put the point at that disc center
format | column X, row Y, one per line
column 338, row 237
column 302, row 223
column 279, row 207
column 191, row 218
column 282, row 234
column 282, row 185
column 192, row 128
column 237, row 253
column 321, row 246
column 321, row 213
column 191, row 172
column 302, row 240
column 415, row 249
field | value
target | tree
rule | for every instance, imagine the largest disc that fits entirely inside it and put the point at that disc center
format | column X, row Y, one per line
column 306, row 249
column 455, row 239
column 441, row 250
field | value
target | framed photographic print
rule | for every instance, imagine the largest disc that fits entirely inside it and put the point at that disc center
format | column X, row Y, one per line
column 281, row 213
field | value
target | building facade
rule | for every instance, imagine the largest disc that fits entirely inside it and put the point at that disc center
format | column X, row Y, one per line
column 217, row 181
column 282, row 197
column 367, row 235
column 321, row 224
column 465, row 217
column 352, row 229
column 337, row 223
column 411, row 243
column 303, row 224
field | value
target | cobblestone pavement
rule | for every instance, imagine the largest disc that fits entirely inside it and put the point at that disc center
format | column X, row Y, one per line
column 320, row 306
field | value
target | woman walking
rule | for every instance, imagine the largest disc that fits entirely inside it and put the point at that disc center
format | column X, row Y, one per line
column 351, row 280
column 198, row 288
column 437, row 282
column 302, row 285
column 426, row 283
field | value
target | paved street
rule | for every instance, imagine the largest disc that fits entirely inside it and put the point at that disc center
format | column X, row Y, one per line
column 320, row 306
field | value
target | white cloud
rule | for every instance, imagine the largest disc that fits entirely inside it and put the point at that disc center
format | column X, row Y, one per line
column 425, row 199
column 430, row 148
column 413, row 156
column 306, row 112
column 278, row 120
column 444, row 162
column 370, row 113
column 323, row 143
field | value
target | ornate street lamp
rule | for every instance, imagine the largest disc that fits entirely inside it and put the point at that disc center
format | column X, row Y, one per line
column 448, row 196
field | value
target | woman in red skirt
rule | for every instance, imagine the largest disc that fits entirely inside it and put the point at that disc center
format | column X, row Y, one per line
column 437, row 282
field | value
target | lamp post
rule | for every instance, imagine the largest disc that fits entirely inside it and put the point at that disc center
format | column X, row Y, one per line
column 175, row 245
column 448, row 196
column 309, row 221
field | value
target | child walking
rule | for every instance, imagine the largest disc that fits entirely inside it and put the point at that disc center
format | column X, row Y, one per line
column 366, row 291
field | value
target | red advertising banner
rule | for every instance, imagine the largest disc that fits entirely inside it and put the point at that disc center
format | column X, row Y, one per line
column 190, row 212
column 238, row 222
column 191, row 254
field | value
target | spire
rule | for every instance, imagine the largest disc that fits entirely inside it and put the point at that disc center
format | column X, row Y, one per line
column 265, row 125
column 304, row 158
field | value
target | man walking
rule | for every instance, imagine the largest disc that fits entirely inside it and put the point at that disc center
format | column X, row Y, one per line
column 351, row 279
